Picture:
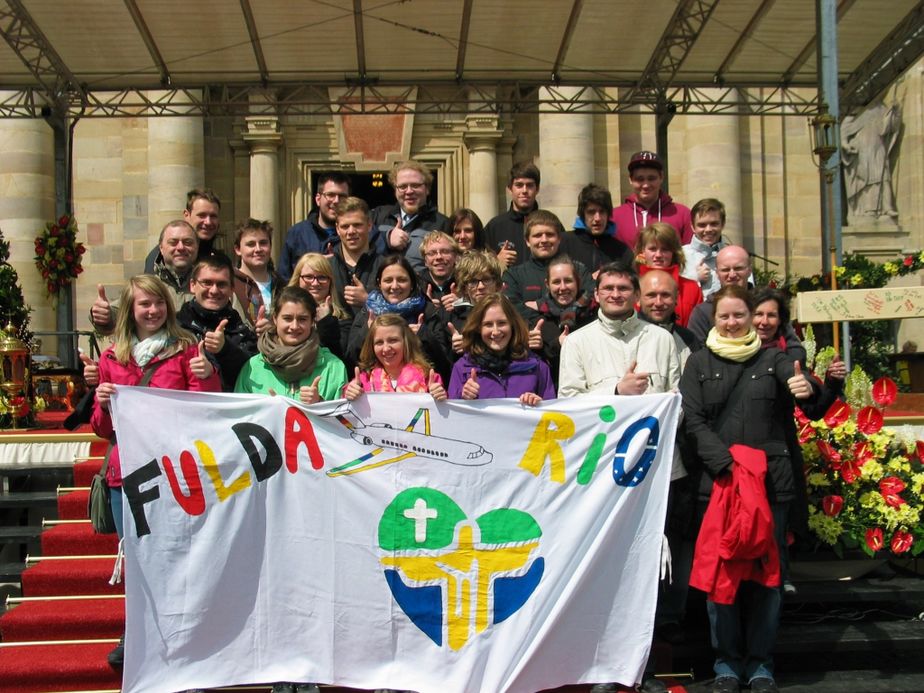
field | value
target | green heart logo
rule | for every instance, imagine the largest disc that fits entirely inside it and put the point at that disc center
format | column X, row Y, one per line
column 454, row 577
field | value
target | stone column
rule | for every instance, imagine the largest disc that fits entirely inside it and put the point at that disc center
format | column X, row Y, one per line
column 27, row 201
column 712, row 161
column 241, row 153
column 504, row 150
column 566, row 147
column 263, row 138
column 481, row 139
column 176, row 164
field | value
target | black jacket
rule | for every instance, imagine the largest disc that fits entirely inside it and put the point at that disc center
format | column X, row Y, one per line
column 595, row 251
column 508, row 227
column 385, row 218
column 240, row 339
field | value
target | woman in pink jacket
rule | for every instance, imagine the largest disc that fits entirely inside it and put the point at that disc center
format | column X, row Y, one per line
column 147, row 339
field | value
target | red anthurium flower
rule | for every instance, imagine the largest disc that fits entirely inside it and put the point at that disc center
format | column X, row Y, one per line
column 64, row 220
column 806, row 432
column 800, row 416
column 884, row 392
column 850, row 471
column 890, row 487
column 908, row 261
column 919, row 448
column 862, row 452
column 832, row 505
column 837, row 414
column 874, row 538
column 869, row 420
column 901, row 541
column 828, row 452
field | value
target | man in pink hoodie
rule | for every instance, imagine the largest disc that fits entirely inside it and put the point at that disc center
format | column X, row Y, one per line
column 648, row 204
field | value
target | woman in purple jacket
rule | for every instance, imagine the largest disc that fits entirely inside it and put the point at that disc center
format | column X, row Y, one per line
column 496, row 360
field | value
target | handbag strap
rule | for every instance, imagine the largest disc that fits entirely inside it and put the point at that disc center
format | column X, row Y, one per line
column 146, row 376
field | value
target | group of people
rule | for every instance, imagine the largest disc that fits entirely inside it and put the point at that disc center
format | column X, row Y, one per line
column 645, row 297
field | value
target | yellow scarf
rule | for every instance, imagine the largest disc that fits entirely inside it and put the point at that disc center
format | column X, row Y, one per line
column 737, row 349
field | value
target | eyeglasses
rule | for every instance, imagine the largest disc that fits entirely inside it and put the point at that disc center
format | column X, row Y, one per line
column 440, row 253
column 332, row 196
column 209, row 284
column 314, row 278
column 404, row 187
column 486, row 281
column 619, row 289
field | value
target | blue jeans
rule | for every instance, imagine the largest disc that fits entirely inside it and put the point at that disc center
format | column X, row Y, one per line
column 115, row 502
column 743, row 634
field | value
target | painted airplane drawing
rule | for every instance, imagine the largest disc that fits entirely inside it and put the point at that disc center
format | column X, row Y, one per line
column 407, row 442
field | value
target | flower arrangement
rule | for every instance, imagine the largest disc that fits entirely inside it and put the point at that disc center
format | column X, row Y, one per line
column 58, row 255
column 865, row 481
column 859, row 272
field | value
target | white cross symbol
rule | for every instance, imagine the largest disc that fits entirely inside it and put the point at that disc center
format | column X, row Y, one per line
column 420, row 514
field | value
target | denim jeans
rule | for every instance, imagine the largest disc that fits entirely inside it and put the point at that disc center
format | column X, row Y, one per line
column 743, row 634
column 115, row 502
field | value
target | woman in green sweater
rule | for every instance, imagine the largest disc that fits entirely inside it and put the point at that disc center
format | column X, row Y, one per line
column 291, row 361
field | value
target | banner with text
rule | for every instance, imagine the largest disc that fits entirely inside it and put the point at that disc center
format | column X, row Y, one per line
column 391, row 541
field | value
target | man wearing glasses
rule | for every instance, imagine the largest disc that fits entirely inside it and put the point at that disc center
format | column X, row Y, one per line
column 733, row 266
column 229, row 341
column 317, row 233
column 440, row 252
column 648, row 203
column 404, row 225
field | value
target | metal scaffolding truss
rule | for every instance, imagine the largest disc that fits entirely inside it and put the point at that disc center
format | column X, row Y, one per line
column 661, row 88
column 460, row 99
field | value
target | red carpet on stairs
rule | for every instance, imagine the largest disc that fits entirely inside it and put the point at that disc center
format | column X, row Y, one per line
column 35, row 654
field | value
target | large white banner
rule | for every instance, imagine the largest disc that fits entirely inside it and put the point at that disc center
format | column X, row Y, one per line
column 391, row 541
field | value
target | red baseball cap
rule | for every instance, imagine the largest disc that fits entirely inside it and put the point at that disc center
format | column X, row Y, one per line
column 645, row 159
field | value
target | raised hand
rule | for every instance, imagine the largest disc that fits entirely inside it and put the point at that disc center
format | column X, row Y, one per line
column 308, row 394
column 90, row 370
column 263, row 323
column 415, row 326
column 535, row 336
column 100, row 313
column 507, row 255
column 354, row 388
column 471, row 388
column 435, row 387
column 798, row 384
column 355, row 293
column 324, row 308
column 703, row 273
column 199, row 365
column 455, row 337
column 563, row 336
column 449, row 300
column 632, row 383
column 215, row 340
column 397, row 237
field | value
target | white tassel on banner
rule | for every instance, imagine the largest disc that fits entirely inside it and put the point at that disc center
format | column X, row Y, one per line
column 117, row 568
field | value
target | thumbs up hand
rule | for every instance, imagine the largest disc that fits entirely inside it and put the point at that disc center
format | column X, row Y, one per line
column 90, row 370
column 263, row 323
column 535, row 336
column 199, row 365
column 354, row 388
column 798, row 384
column 397, row 237
column 215, row 340
column 324, row 308
column 308, row 394
column 355, row 293
column 703, row 273
column 100, row 314
column 632, row 383
column 435, row 387
column 415, row 326
column 455, row 337
column 471, row 388
column 563, row 336
column 449, row 300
